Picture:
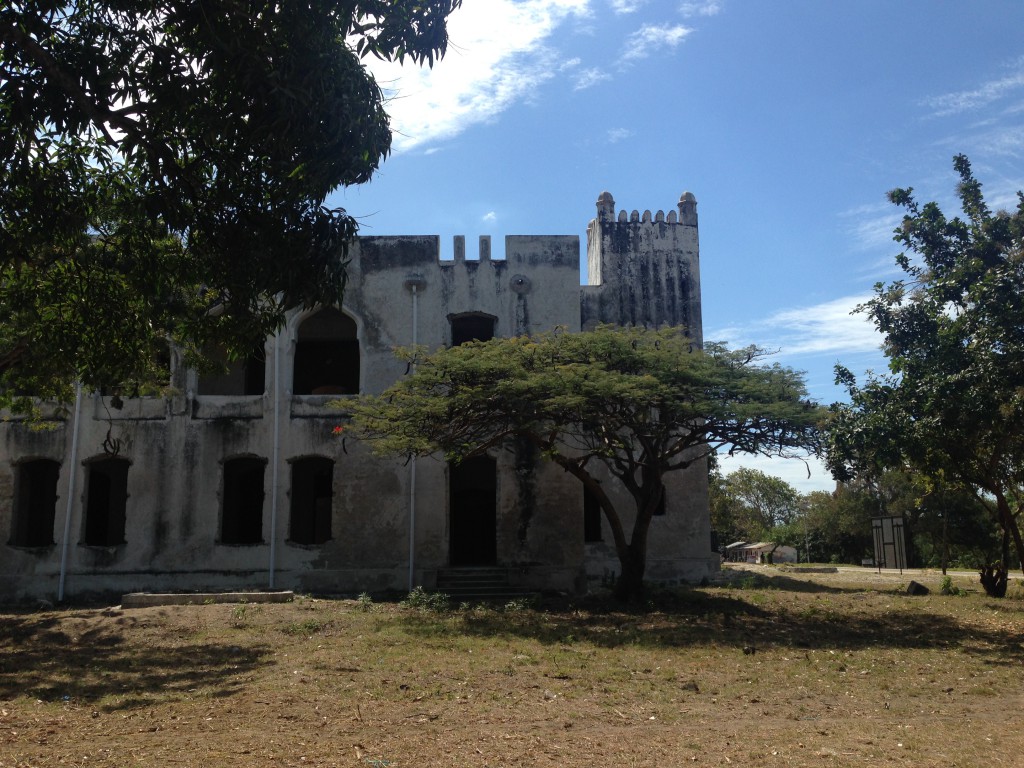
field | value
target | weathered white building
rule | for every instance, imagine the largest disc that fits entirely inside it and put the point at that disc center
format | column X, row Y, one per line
column 239, row 481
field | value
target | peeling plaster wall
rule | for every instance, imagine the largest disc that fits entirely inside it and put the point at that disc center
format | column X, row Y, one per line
column 646, row 272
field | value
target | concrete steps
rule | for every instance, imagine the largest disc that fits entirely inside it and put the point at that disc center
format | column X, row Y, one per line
column 478, row 584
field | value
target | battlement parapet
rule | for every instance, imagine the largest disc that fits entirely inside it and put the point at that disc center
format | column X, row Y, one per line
column 687, row 212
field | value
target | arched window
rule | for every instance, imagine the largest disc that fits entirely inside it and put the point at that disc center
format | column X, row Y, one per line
column 106, row 500
column 471, row 326
column 312, row 491
column 327, row 355
column 241, row 520
column 35, row 503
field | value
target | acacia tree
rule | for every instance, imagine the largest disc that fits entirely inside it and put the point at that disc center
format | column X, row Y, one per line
column 164, row 168
column 639, row 403
column 953, row 406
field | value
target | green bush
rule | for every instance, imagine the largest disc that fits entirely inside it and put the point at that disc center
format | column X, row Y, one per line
column 420, row 599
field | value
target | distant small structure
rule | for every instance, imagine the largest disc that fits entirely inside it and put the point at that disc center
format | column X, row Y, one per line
column 767, row 552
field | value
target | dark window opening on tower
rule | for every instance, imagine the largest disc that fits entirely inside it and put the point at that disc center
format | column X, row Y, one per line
column 242, row 501
column 472, row 326
column 105, row 502
column 327, row 355
column 35, row 503
column 311, row 496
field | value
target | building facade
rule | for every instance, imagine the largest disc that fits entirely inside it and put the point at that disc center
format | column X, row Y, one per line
column 241, row 480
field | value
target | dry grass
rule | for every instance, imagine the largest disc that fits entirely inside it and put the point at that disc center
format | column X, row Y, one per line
column 788, row 670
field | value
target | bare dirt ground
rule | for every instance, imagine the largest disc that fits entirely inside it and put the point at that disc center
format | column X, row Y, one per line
column 774, row 669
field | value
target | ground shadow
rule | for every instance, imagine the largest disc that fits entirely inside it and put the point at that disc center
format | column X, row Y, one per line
column 40, row 658
column 733, row 618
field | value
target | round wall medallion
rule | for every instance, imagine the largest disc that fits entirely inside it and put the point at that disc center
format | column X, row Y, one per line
column 520, row 284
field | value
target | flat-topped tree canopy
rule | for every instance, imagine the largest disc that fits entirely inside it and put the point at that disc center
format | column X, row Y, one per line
column 637, row 402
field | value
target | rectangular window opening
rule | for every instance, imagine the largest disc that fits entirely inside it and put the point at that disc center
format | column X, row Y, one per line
column 242, row 501
column 35, row 503
column 312, row 494
column 106, row 502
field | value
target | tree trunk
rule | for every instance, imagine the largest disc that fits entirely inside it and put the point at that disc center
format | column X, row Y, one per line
column 631, row 581
column 633, row 553
column 634, row 558
column 1010, row 529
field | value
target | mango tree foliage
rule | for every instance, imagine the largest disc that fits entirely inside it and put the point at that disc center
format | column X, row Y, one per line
column 638, row 403
column 164, row 168
column 761, row 502
column 953, row 406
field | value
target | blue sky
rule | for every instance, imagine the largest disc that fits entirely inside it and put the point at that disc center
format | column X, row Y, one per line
column 788, row 120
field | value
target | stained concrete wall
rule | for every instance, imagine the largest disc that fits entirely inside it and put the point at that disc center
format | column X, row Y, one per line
column 177, row 445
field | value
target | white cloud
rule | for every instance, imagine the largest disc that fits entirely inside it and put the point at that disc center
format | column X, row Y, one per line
column 650, row 38
column 627, row 6
column 985, row 94
column 490, row 217
column 590, row 77
column 1003, row 141
column 871, row 227
column 829, row 327
column 704, row 8
column 793, row 471
column 496, row 57
column 619, row 134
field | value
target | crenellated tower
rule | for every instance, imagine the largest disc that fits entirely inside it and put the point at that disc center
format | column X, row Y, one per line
column 643, row 269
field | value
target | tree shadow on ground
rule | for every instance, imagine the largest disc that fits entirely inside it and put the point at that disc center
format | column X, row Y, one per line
column 42, row 659
column 790, row 583
column 838, row 619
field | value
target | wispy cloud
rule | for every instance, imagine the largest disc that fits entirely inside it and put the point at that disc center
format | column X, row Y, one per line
column 703, row 8
column 830, row 327
column 627, row 6
column 651, row 38
column 498, row 56
column 590, row 77
column 977, row 98
column 1001, row 141
column 490, row 217
column 871, row 227
column 619, row 134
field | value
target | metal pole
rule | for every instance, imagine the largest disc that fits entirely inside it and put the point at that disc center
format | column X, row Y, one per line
column 412, row 464
column 73, row 470
column 275, row 457
column 413, row 283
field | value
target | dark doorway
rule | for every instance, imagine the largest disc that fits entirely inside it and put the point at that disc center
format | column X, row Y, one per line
column 242, row 501
column 327, row 355
column 471, row 326
column 35, row 503
column 473, row 508
column 105, row 502
column 312, row 491
column 591, row 516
